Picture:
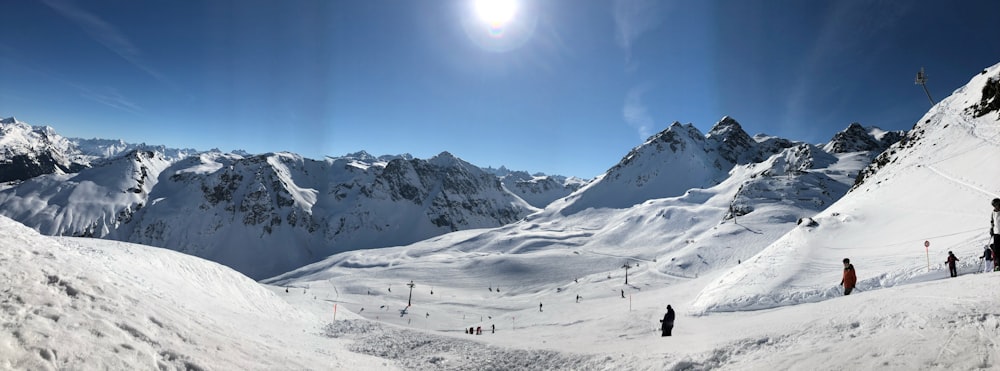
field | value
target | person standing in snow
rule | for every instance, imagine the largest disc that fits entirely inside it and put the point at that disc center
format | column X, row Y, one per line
column 995, row 232
column 539, row 307
column 988, row 258
column 850, row 279
column 951, row 264
column 667, row 323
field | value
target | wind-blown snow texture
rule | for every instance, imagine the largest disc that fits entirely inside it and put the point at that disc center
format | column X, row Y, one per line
column 751, row 264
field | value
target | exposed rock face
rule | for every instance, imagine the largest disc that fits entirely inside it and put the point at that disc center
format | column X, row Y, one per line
column 27, row 152
column 264, row 214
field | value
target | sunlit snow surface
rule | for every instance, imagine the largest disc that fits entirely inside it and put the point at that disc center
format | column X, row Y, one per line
column 758, row 292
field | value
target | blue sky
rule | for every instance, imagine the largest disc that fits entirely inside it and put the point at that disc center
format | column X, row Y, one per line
column 567, row 87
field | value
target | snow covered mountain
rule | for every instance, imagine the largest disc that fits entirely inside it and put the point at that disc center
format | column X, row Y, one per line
column 264, row 214
column 267, row 214
column 539, row 190
column 737, row 208
column 932, row 187
column 28, row 151
column 769, row 235
column 681, row 158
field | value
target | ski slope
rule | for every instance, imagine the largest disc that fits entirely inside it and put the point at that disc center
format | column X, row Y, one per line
column 750, row 293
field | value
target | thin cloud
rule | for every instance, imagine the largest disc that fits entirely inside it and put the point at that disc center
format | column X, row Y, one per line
column 633, row 18
column 110, row 97
column 636, row 114
column 106, row 34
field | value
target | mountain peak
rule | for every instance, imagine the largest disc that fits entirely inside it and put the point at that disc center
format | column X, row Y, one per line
column 855, row 138
column 8, row 120
column 734, row 144
column 726, row 127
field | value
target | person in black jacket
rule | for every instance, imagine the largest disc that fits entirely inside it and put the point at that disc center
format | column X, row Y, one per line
column 995, row 232
column 667, row 321
column 951, row 264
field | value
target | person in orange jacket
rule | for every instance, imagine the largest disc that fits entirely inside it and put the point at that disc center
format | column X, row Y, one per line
column 849, row 279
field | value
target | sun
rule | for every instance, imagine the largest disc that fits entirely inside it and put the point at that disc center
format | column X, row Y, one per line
column 496, row 13
column 499, row 25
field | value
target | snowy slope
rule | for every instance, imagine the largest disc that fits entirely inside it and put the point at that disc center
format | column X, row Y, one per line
column 934, row 186
column 92, row 202
column 72, row 303
column 87, row 304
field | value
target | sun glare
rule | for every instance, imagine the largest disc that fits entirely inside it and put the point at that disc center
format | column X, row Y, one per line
column 499, row 25
column 496, row 13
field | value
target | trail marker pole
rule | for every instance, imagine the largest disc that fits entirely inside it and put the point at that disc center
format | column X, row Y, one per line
column 927, row 250
column 334, row 311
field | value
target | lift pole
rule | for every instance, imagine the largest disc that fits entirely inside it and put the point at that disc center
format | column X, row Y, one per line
column 922, row 81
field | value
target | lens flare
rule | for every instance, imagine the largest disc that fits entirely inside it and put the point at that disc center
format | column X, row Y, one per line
column 499, row 25
column 496, row 13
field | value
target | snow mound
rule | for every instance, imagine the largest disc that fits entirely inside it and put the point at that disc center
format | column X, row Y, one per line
column 74, row 303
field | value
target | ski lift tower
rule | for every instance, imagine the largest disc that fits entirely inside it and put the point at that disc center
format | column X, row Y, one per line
column 409, row 301
column 922, row 81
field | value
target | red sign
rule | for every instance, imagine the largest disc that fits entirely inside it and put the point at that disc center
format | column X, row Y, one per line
column 927, row 243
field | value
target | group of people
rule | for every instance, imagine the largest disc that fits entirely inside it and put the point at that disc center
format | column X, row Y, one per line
column 990, row 254
column 478, row 330
column 989, row 258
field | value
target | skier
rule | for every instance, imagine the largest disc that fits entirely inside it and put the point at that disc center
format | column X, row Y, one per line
column 623, row 293
column 951, row 264
column 493, row 329
column 578, row 298
column 987, row 258
column 850, row 279
column 995, row 232
column 539, row 307
column 667, row 323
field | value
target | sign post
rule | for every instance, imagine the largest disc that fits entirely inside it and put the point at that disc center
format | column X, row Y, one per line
column 927, row 250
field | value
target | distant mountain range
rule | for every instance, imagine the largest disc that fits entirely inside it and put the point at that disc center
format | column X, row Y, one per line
column 267, row 214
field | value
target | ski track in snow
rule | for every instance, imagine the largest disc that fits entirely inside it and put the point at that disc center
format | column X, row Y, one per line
column 961, row 182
